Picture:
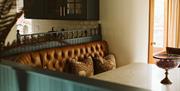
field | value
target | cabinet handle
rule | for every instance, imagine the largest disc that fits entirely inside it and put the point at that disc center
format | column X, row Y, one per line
column 64, row 11
column 153, row 43
column 60, row 11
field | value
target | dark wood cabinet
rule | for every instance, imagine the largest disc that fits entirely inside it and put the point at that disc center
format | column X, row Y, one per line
column 62, row 9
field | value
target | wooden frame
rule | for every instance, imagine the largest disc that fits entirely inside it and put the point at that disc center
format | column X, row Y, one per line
column 151, row 25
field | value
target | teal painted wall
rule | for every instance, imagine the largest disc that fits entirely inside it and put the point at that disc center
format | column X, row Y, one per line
column 16, row 80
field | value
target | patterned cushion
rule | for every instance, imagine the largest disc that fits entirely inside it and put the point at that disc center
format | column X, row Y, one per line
column 81, row 67
column 104, row 64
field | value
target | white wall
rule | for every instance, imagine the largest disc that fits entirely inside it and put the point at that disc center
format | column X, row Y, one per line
column 125, row 27
column 39, row 25
column 11, row 36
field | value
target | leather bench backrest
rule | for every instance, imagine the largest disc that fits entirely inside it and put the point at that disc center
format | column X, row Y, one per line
column 55, row 58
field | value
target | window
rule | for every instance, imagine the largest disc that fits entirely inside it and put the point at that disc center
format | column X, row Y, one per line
column 23, row 25
column 159, row 24
column 164, row 26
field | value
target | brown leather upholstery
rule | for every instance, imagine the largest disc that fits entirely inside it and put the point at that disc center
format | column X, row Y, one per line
column 55, row 58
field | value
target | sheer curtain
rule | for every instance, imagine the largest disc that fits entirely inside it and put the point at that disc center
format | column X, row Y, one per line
column 173, row 38
column 178, row 22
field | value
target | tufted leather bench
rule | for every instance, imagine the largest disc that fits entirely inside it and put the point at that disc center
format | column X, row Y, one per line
column 55, row 58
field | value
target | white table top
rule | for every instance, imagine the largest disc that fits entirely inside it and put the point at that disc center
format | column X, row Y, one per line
column 141, row 75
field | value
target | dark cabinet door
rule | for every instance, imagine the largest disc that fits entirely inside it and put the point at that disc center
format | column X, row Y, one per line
column 34, row 8
column 55, row 9
column 74, row 9
column 82, row 9
column 92, row 10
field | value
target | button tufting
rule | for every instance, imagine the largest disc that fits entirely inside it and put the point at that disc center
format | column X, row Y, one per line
column 56, row 58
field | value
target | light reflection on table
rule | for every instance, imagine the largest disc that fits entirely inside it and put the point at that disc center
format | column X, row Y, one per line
column 142, row 75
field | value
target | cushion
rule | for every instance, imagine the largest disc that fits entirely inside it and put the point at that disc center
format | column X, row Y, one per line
column 83, row 67
column 104, row 64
